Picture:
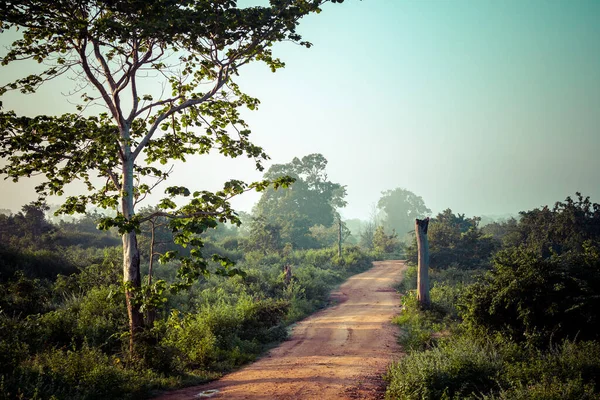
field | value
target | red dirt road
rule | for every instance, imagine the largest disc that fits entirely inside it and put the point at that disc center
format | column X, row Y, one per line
column 337, row 353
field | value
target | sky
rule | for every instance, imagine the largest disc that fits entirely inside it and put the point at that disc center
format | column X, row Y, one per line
column 485, row 107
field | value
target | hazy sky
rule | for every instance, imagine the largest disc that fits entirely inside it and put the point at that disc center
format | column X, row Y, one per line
column 485, row 107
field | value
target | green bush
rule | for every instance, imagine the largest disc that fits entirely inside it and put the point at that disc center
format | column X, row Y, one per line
column 82, row 374
column 97, row 318
column 464, row 366
column 528, row 298
column 193, row 340
column 456, row 368
column 552, row 389
column 571, row 367
column 23, row 295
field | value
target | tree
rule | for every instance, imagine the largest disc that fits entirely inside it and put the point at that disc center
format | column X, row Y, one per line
column 367, row 230
column 312, row 199
column 336, row 234
column 384, row 243
column 195, row 48
column 264, row 236
column 401, row 208
column 28, row 227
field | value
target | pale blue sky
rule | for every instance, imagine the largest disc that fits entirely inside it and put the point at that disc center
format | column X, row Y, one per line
column 486, row 107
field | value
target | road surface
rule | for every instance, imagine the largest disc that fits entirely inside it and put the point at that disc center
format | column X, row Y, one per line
column 337, row 353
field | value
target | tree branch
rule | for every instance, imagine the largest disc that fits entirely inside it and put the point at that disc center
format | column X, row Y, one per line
column 223, row 76
column 90, row 75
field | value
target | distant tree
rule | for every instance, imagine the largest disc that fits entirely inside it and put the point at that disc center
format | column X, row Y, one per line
column 354, row 225
column 328, row 236
column 83, row 231
column 33, row 217
column 401, row 208
column 367, row 231
column 311, row 200
column 264, row 236
column 28, row 227
column 384, row 243
column 195, row 49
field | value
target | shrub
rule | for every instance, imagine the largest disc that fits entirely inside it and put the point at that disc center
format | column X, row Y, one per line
column 465, row 366
column 568, row 369
column 193, row 340
column 97, row 318
column 532, row 299
column 552, row 389
column 457, row 368
column 77, row 374
column 23, row 295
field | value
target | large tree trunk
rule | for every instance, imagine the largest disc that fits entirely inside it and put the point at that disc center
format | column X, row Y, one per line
column 132, row 280
column 421, row 226
column 131, row 253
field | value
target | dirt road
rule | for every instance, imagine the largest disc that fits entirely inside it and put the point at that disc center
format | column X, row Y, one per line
column 338, row 353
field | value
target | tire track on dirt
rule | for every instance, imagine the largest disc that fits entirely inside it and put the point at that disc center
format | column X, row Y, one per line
column 337, row 353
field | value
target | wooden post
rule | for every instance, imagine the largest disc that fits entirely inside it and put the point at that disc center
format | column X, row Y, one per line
column 339, row 236
column 423, row 266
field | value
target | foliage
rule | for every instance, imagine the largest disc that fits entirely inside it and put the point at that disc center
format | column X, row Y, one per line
column 452, row 370
column 384, row 243
column 328, row 236
column 78, row 374
column 65, row 336
column 312, row 200
column 222, row 336
column 264, row 236
column 504, row 232
column 528, row 298
column 401, row 208
column 417, row 326
column 470, row 368
column 564, row 228
column 456, row 241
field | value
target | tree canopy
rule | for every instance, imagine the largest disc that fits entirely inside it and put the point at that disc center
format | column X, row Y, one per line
column 112, row 49
column 401, row 208
column 311, row 200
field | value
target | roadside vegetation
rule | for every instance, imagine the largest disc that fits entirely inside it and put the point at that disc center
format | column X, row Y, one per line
column 514, row 309
column 63, row 322
column 64, row 330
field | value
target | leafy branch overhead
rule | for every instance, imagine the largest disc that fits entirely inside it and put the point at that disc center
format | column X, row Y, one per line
column 196, row 47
